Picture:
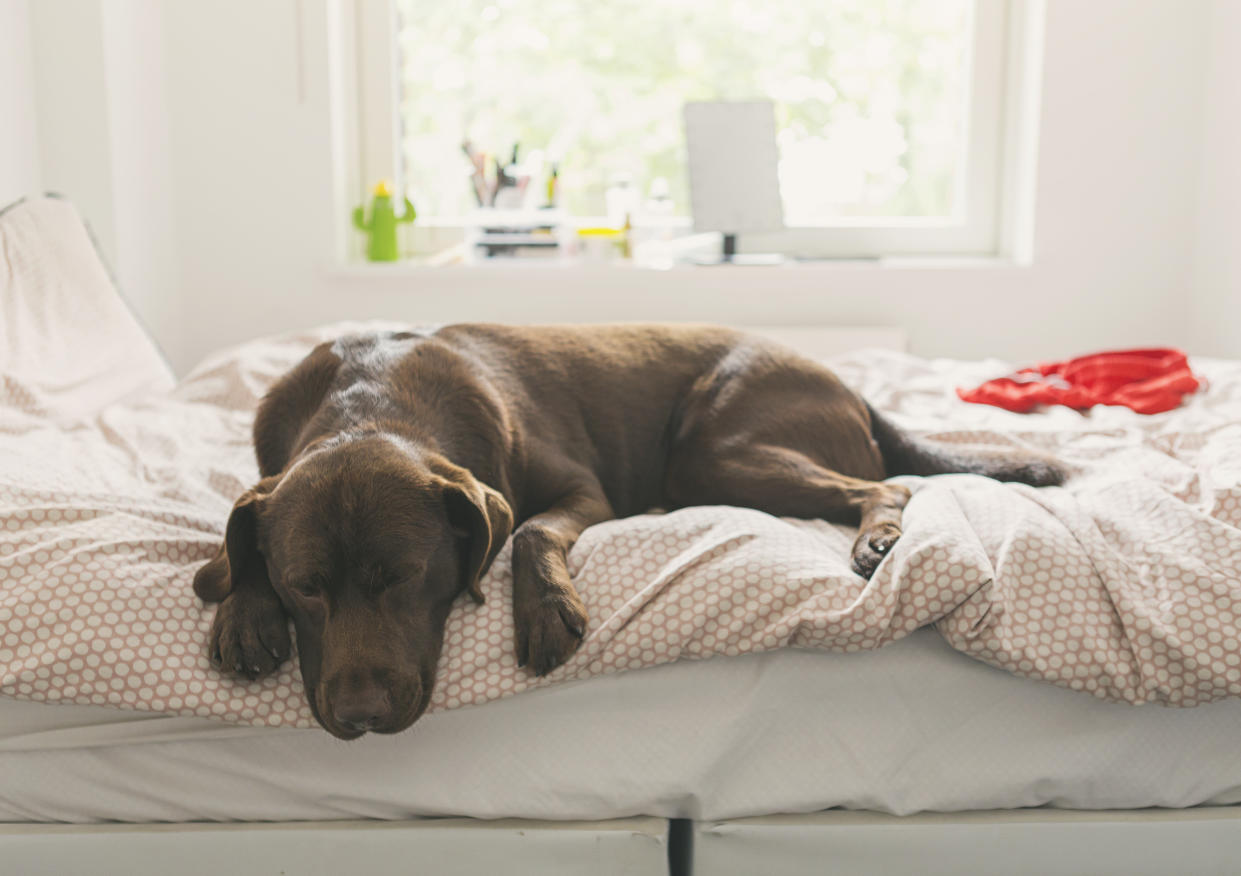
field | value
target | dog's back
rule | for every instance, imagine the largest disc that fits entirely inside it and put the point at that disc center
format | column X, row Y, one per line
column 506, row 400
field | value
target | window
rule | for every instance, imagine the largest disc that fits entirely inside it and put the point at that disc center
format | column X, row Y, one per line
column 889, row 112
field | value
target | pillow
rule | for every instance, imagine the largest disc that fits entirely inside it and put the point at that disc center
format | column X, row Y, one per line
column 69, row 344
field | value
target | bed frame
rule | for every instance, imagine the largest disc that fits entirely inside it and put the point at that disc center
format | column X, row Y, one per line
column 1025, row 842
column 1034, row 842
column 1204, row 840
column 440, row 846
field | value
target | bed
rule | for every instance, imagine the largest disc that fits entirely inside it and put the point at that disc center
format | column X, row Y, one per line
column 709, row 765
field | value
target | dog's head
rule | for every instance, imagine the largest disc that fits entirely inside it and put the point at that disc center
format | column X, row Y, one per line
column 368, row 541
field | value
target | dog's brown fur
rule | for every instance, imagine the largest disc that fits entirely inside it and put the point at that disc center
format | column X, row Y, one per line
column 395, row 465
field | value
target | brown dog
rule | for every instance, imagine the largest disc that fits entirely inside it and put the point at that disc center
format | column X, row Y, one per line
column 395, row 465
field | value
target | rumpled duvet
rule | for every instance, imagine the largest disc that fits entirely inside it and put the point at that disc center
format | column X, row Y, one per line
column 1124, row 584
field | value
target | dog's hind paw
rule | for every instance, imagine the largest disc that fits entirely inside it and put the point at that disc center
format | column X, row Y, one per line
column 1042, row 473
column 871, row 547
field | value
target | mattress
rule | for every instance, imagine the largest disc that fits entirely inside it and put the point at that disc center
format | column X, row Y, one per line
column 914, row 726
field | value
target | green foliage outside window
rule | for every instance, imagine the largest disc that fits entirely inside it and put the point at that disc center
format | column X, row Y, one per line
column 871, row 95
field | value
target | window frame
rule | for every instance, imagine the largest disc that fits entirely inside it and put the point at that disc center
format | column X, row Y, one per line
column 995, row 148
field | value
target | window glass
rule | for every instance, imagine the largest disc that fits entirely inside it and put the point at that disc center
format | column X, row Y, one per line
column 871, row 97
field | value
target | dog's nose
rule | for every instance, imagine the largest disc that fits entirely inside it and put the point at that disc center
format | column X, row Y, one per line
column 362, row 709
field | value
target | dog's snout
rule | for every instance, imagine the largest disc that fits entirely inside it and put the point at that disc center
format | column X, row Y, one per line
column 362, row 707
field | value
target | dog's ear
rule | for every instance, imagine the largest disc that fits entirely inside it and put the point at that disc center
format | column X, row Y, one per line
column 484, row 517
column 238, row 558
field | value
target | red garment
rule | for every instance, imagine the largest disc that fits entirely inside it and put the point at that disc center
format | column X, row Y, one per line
column 1149, row 381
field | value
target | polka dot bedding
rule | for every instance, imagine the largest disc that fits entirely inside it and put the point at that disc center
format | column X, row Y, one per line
column 115, row 486
column 1125, row 584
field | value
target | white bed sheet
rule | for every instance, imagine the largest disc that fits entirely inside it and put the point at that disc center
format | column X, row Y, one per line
column 914, row 726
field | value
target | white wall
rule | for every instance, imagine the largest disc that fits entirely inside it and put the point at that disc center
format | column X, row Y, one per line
column 252, row 183
column 105, row 134
column 1217, row 312
column 144, row 219
column 226, row 103
column 66, row 39
column 19, row 146
column 1116, row 195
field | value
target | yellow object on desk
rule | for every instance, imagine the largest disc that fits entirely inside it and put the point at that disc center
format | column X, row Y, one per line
column 602, row 243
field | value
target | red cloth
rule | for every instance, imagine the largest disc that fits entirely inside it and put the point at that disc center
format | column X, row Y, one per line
column 1149, row 381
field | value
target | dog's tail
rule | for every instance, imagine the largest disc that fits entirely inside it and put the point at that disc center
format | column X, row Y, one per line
column 905, row 454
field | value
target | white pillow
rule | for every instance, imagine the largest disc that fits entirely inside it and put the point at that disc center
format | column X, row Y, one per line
column 69, row 344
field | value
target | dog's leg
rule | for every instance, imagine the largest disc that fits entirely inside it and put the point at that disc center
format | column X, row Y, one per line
column 879, row 527
column 250, row 632
column 549, row 616
column 788, row 483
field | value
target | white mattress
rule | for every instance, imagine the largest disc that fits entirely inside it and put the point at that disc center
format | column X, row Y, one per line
column 914, row 726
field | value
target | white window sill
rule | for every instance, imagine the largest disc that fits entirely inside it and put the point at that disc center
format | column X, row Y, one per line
column 363, row 270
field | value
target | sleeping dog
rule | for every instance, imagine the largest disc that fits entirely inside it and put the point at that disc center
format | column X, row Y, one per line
column 395, row 465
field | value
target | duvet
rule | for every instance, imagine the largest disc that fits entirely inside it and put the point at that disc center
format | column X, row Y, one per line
column 115, row 485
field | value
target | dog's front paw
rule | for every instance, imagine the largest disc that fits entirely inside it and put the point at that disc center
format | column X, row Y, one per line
column 550, row 628
column 872, row 546
column 250, row 635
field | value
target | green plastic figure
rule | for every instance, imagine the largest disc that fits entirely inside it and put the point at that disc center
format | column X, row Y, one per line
column 381, row 245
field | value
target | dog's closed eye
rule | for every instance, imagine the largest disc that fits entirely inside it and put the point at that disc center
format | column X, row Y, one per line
column 383, row 578
column 306, row 588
